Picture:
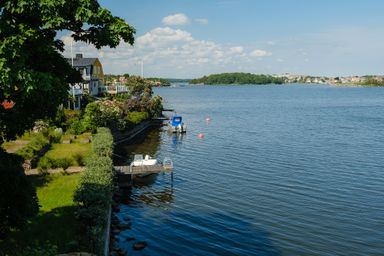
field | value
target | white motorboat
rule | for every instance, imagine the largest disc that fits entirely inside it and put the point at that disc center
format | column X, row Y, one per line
column 138, row 160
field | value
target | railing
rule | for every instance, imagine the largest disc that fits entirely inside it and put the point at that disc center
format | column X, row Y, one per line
column 75, row 91
column 103, row 88
column 114, row 89
column 86, row 77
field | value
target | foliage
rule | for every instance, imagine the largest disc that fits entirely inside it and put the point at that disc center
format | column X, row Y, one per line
column 141, row 99
column 55, row 227
column 33, row 73
column 18, row 201
column 373, row 81
column 237, row 78
column 99, row 114
column 65, row 155
column 40, row 250
column 134, row 118
column 32, row 148
column 125, row 78
column 103, row 142
column 161, row 82
column 94, row 193
column 77, row 126
column 155, row 106
column 55, row 134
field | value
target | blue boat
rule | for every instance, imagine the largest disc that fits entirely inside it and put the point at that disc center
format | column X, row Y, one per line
column 177, row 125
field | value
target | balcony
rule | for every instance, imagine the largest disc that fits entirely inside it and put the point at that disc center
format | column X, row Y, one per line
column 116, row 89
column 75, row 91
column 86, row 77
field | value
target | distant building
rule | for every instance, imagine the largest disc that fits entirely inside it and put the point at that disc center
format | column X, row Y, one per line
column 92, row 73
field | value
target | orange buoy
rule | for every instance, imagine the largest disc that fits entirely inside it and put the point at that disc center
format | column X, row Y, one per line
column 200, row 136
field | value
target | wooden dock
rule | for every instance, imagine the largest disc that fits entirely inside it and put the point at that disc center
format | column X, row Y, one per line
column 144, row 169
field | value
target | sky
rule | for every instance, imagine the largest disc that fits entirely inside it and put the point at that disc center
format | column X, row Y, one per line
column 192, row 38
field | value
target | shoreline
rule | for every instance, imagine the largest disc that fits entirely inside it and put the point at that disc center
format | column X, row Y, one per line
column 114, row 226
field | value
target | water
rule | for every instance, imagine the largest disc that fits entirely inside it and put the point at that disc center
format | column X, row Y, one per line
column 281, row 170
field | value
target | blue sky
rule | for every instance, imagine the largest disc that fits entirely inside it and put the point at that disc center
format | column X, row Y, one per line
column 191, row 38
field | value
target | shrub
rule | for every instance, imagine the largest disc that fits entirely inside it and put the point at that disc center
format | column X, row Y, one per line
column 134, row 118
column 93, row 196
column 18, row 200
column 76, row 126
column 32, row 148
column 55, row 134
column 103, row 142
column 44, row 163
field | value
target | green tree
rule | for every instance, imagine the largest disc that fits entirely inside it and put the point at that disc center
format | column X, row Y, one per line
column 18, row 200
column 33, row 73
column 34, row 76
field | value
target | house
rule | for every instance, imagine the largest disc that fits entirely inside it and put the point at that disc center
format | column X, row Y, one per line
column 92, row 73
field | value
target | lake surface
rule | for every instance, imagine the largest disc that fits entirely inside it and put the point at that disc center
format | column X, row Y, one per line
column 281, row 170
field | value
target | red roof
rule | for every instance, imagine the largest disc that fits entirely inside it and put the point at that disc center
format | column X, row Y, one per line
column 8, row 104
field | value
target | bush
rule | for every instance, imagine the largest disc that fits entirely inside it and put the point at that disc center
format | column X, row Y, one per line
column 18, row 200
column 32, row 148
column 46, row 163
column 55, row 134
column 134, row 118
column 76, row 126
column 103, row 142
column 94, row 194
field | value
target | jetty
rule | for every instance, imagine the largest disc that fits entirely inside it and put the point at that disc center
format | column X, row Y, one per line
column 166, row 166
column 126, row 173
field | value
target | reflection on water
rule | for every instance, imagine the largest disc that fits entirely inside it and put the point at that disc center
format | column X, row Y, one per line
column 282, row 170
column 145, row 144
column 176, row 139
column 158, row 199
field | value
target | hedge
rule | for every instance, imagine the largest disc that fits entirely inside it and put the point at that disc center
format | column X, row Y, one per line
column 94, row 193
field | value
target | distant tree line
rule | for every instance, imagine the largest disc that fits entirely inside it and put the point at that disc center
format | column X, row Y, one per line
column 161, row 82
column 372, row 81
column 237, row 78
column 126, row 78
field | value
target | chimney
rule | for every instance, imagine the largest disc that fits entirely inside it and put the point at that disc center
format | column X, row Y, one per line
column 79, row 55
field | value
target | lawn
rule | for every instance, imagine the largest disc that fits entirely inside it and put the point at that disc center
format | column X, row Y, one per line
column 55, row 223
column 65, row 155
column 69, row 150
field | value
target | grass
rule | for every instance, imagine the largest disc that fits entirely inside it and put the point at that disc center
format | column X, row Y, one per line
column 69, row 150
column 58, row 192
column 55, row 223
column 14, row 145
column 77, row 138
column 75, row 152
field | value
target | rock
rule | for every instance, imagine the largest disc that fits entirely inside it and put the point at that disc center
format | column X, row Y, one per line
column 121, row 251
column 130, row 238
column 126, row 218
column 123, row 226
column 139, row 245
column 118, row 193
column 116, row 231
column 114, row 222
column 116, row 209
column 113, row 253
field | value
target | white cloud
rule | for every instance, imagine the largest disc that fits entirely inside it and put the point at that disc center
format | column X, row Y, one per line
column 236, row 49
column 202, row 21
column 169, row 52
column 160, row 36
column 259, row 53
column 176, row 19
